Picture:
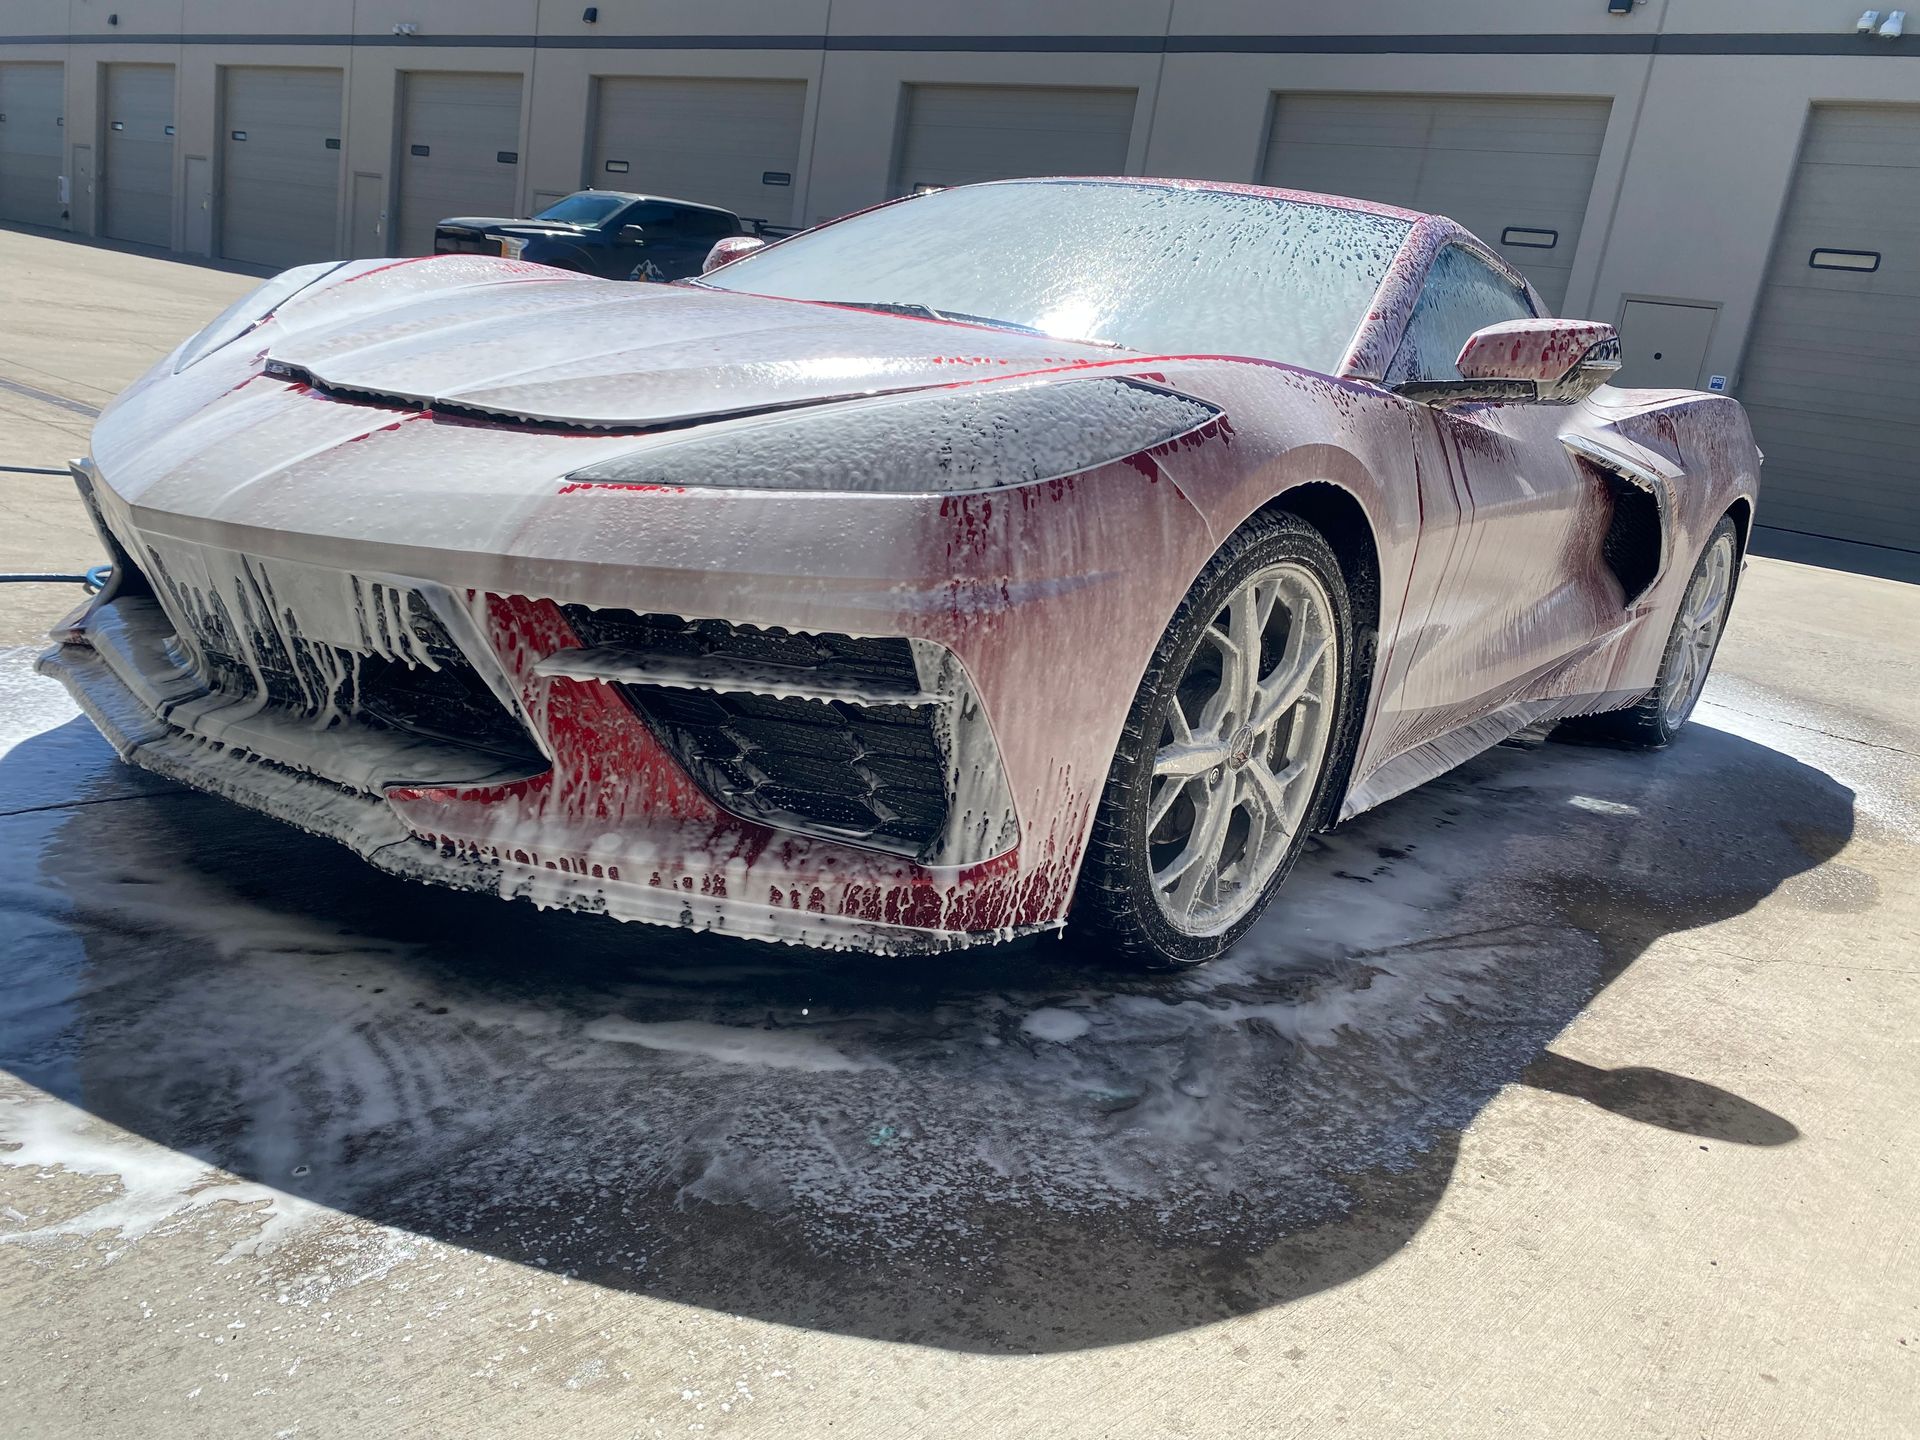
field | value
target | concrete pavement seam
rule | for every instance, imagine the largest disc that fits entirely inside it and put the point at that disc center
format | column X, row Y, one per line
column 47, row 397
column 1811, row 729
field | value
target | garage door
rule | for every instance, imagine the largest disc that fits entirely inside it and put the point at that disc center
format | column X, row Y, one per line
column 279, row 165
column 732, row 143
column 957, row 134
column 30, row 105
column 1518, row 172
column 139, row 154
column 459, row 151
column 1830, row 367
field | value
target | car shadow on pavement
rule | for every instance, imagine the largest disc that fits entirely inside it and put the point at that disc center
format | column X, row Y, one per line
column 1004, row 1150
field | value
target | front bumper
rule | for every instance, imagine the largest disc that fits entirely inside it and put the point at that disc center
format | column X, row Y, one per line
column 372, row 827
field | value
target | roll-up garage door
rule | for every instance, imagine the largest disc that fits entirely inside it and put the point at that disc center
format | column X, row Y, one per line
column 1831, row 361
column 139, row 154
column 732, row 143
column 459, row 151
column 957, row 134
column 1517, row 171
column 280, row 165
column 30, row 105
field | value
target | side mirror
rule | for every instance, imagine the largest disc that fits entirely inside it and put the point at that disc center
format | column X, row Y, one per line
column 1548, row 362
column 725, row 252
column 633, row 235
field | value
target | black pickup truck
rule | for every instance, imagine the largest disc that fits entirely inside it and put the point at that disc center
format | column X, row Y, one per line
column 604, row 232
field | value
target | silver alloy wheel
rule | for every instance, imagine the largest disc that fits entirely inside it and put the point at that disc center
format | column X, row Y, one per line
column 1703, row 612
column 1241, row 748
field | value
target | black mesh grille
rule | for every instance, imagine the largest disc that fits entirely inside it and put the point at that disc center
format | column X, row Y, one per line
column 873, row 772
column 246, row 654
column 886, row 663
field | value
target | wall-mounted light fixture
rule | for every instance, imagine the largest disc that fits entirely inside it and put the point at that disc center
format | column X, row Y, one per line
column 590, row 16
column 1895, row 27
column 407, row 28
column 1619, row 7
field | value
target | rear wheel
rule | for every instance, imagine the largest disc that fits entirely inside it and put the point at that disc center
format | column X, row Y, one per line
column 1220, row 772
column 1695, row 637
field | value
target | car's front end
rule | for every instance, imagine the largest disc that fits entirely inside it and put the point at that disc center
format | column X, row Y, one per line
column 795, row 664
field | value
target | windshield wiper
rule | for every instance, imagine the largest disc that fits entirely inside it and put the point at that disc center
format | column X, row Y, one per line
column 891, row 307
column 914, row 307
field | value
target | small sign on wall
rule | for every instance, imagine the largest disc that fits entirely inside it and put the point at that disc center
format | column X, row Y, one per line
column 1527, row 238
column 1866, row 261
column 1716, row 383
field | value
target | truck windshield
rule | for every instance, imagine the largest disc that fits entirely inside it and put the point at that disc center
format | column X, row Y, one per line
column 585, row 208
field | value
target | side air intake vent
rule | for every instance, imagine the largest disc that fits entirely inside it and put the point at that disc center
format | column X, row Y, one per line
column 1634, row 546
column 1633, row 539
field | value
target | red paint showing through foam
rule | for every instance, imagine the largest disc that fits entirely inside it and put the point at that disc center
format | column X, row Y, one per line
column 571, row 486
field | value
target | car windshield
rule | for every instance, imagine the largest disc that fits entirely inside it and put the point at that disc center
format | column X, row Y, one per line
column 586, row 208
column 1151, row 267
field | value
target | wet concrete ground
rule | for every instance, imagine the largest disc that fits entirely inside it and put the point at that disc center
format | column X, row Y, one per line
column 289, row 1146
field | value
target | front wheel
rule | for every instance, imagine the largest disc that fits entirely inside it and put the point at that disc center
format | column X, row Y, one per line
column 1220, row 771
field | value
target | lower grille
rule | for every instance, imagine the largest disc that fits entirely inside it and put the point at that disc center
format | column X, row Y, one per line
column 867, row 772
column 871, row 769
column 410, row 676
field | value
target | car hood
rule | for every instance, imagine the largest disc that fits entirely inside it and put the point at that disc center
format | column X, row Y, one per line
column 517, row 224
column 605, row 355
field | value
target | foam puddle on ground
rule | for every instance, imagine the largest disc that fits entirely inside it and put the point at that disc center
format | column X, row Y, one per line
column 207, row 1007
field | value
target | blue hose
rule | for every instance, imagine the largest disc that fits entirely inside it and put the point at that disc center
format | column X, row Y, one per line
column 95, row 579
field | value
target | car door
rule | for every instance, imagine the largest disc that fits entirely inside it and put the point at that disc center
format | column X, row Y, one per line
column 605, row 252
column 667, row 252
column 1515, row 598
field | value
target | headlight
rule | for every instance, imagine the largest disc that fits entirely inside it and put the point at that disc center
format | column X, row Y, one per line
column 976, row 437
column 512, row 248
column 250, row 310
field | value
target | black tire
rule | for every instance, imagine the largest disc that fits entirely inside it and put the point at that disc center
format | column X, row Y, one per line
column 1653, row 722
column 1115, row 916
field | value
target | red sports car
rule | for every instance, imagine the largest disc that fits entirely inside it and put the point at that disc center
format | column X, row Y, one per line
column 1020, row 555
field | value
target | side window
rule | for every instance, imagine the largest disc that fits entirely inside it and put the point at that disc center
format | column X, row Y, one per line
column 710, row 225
column 1462, row 294
column 659, row 219
column 679, row 224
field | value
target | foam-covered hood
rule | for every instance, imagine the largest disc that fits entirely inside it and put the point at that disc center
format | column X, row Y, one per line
column 552, row 347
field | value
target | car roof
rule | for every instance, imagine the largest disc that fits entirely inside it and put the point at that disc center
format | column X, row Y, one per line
column 629, row 195
column 1227, row 187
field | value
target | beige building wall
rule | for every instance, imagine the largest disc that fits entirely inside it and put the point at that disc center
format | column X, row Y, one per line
column 1693, row 173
